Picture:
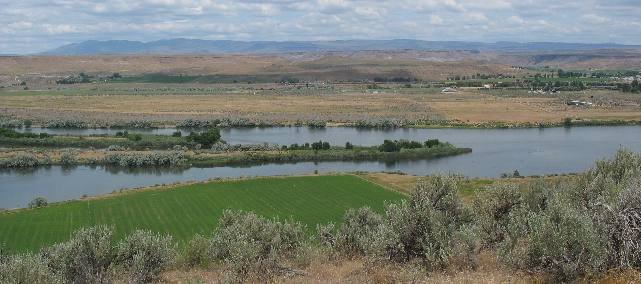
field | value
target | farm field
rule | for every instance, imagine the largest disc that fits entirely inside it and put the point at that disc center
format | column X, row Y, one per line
column 190, row 209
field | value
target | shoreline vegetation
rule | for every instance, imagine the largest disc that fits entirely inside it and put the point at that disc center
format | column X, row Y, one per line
column 189, row 124
column 201, row 149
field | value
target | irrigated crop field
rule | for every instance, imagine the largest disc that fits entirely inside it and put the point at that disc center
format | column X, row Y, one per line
column 186, row 210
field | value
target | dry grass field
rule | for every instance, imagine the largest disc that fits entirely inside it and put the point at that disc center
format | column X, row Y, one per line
column 334, row 102
column 337, row 106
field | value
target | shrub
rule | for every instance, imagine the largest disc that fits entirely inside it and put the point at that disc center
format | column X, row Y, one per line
column 125, row 159
column 493, row 213
column 426, row 226
column 431, row 143
column 134, row 137
column 206, row 138
column 27, row 269
column 349, row 146
column 85, row 258
column 197, row 251
column 20, row 161
column 113, row 148
column 65, row 124
column 622, row 227
column 144, row 255
column 67, row 158
column 431, row 226
column 249, row 243
column 561, row 240
column 358, row 228
column 38, row 202
column 177, row 134
column 320, row 145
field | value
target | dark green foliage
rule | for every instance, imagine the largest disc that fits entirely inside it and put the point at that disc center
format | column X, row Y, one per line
column 320, row 145
column 431, row 143
column 177, row 134
column 397, row 145
column 349, row 146
column 10, row 133
column 206, row 138
column 134, row 137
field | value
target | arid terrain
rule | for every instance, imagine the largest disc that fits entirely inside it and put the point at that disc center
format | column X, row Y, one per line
column 340, row 87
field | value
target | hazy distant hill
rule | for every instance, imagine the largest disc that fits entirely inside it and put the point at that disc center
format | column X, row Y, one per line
column 193, row 46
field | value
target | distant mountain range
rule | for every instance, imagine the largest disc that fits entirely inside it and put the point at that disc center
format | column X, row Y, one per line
column 198, row 46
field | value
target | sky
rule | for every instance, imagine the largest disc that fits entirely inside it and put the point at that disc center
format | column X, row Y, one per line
column 29, row 26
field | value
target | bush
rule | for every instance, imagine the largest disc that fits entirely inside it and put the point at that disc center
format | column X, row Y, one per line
column 206, row 138
column 38, row 202
column 20, row 161
column 358, row 229
column 67, row 159
column 320, row 145
column 561, row 240
column 426, row 226
column 493, row 213
column 431, row 143
column 197, row 251
column 85, row 258
column 27, row 269
column 134, row 137
column 431, row 227
column 622, row 227
column 124, row 159
column 349, row 146
column 249, row 243
column 144, row 255
column 113, row 148
column 177, row 134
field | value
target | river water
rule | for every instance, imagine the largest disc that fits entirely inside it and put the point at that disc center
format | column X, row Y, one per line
column 495, row 151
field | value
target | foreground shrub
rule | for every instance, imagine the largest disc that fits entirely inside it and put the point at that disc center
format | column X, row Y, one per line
column 427, row 227
column 493, row 213
column 197, row 251
column 143, row 255
column 561, row 240
column 85, row 258
column 357, row 231
column 26, row 269
column 250, row 243
column 622, row 226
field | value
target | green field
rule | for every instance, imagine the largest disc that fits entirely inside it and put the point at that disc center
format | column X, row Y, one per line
column 186, row 210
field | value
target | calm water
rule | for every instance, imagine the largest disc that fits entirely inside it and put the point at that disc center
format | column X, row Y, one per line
column 495, row 151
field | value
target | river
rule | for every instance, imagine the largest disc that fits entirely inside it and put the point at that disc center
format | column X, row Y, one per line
column 495, row 151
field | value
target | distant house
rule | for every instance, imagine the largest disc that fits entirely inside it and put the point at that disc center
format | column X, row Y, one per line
column 448, row 90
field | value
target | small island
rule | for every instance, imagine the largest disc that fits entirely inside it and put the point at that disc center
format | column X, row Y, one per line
column 200, row 148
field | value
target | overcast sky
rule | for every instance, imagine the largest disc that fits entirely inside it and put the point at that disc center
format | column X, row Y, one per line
column 28, row 26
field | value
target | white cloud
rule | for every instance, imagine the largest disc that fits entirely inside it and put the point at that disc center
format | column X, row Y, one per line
column 436, row 20
column 36, row 25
